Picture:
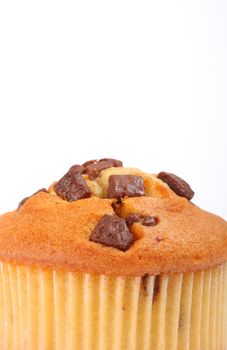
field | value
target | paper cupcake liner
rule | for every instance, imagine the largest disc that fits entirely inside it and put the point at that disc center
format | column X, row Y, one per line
column 48, row 310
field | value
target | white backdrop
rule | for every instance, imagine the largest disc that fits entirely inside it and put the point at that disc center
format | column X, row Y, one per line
column 142, row 81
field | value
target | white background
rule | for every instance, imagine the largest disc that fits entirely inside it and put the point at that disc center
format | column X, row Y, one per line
column 142, row 81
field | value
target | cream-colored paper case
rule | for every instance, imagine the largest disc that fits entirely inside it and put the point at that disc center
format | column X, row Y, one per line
column 50, row 310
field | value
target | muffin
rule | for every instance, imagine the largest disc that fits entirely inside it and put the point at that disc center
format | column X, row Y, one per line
column 113, row 258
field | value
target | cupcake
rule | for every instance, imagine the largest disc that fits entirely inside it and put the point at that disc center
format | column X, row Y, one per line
column 113, row 258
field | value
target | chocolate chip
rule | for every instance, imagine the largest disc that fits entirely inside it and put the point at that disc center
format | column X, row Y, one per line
column 22, row 202
column 125, row 185
column 77, row 169
column 117, row 205
column 26, row 198
column 131, row 218
column 41, row 190
column 112, row 231
column 178, row 185
column 149, row 221
column 145, row 220
column 88, row 162
column 116, row 163
column 93, row 168
column 72, row 187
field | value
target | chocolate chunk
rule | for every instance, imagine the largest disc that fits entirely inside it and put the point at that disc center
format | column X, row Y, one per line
column 178, row 185
column 112, row 231
column 22, row 202
column 26, row 198
column 89, row 162
column 72, row 187
column 117, row 205
column 77, row 169
column 93, row 168
column 145, row 220
column 125, row 185
column 116, row 163
column 131, row 218
column 149, row 221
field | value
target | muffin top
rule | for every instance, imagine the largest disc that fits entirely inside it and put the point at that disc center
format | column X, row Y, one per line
column 103, row 218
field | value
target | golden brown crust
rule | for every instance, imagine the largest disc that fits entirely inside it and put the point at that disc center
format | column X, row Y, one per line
column 50, row 232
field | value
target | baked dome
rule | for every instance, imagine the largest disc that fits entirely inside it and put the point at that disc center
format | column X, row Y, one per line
column 103, row 218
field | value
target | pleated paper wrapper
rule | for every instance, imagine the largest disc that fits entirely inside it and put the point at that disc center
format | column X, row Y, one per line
column 48, row 310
